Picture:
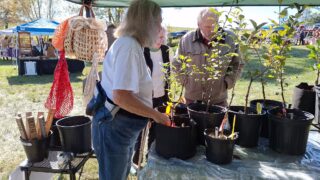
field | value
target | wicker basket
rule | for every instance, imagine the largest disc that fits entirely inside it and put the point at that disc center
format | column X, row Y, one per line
column 68, row 43
column 87, row 41
column 85, row 37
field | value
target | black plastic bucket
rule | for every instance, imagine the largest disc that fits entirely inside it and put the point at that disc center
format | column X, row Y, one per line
column 36, row 150
column 75, row 134
column 178, row 142
column 266, row 105
column 218, row 151
column 303, row 98
column 289, row 136
column 55, row 142
column 317, row 108
column 248, row 125
column 204, row 120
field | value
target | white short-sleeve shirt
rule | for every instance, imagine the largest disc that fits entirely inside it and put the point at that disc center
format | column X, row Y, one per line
column 157, row 73
column 158, row 76
column 125, row 68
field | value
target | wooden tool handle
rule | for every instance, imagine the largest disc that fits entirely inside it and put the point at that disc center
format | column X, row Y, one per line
column 21, row 127
column 49, row 120
column 38, row 125
column 32, row 127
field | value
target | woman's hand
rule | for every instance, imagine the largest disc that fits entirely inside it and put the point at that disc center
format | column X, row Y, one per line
column 161, row 118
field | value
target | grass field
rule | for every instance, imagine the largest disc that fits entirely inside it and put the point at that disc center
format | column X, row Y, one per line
column 28, row 93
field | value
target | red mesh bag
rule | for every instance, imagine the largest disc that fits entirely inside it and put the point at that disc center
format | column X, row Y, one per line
column 61, row 94
column 60, row 34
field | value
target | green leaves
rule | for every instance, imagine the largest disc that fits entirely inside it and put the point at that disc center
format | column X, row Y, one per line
column 254, row 24
column 283, row 13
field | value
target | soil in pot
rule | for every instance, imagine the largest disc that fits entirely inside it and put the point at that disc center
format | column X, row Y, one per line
column 219, row 150
column 178, row 141
column 75, row 134
column 289, row 134
column 204, row 120
column 303, row 98
column 266, row 105
column 248, row 125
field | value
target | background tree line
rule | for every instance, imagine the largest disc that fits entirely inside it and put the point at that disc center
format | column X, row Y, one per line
column 14, row 12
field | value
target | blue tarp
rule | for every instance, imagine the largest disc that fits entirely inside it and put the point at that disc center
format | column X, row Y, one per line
column 37, row 27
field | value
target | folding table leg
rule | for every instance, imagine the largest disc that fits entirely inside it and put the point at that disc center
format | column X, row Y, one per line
column 27, row 174
column 72, row 176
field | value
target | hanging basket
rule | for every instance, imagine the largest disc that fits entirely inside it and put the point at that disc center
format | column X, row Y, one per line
column 85, row 37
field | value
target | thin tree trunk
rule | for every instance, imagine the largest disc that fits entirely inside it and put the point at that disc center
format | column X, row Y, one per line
column 263, row 89
column 282, row 89
column 247, row 95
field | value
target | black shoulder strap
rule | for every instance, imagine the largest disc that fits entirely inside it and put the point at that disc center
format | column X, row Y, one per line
column 103, row 93
column 165, row 53
column 147, row 56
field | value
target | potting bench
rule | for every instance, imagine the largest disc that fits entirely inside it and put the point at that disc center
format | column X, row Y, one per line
column 50, row 165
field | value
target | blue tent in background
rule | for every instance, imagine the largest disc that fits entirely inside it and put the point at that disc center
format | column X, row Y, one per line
column 37, row 27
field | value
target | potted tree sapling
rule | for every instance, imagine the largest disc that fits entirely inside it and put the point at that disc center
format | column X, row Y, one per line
column 249, row 121
column 205, row 113
column 179, row 139
column 289, row 128
column 219, row 144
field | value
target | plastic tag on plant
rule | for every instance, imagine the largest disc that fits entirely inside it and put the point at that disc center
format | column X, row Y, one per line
column 259, row 108
column 168, row 108
column 225, row 126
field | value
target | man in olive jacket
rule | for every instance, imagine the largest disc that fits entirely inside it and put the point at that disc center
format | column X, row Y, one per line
column 197, row 46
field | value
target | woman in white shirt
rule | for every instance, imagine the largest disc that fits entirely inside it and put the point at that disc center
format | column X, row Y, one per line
column 127, row 83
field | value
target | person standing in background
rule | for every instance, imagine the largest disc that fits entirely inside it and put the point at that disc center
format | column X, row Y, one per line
column 196, row 44
column 5, row 47
column 155, row 57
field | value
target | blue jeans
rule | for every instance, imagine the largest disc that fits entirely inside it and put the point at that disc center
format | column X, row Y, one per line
column 113, row 142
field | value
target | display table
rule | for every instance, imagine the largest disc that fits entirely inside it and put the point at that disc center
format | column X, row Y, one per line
column 50, row 165
column 47, row 66
column 253, row 163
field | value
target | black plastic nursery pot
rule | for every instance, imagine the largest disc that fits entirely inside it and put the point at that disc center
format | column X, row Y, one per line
column 266, row 105
column 178, row 142
column 204, row 120
column 304, row 98
column 289, row 135
column 36, row 150
column 218, row 151
column 248, row 125
column 75, row 134
column 181, row 109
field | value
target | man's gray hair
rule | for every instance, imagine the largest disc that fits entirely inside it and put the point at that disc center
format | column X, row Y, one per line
column 207, row 12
